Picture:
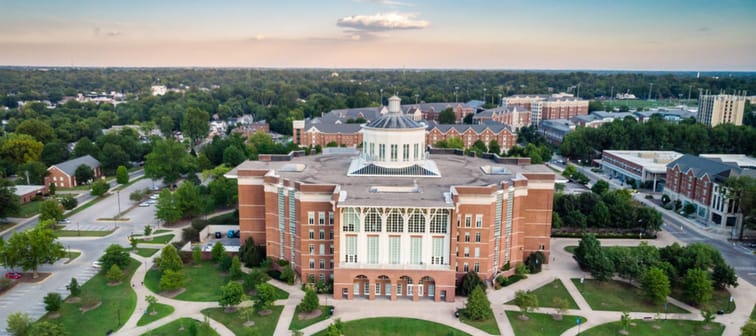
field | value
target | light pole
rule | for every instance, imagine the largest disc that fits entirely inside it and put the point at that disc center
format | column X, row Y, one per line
column 484, row 95
column 416, row 96
column 456, row 88
column 381, row 97
column 118, row 199
column 650, row 87
column 500, row 99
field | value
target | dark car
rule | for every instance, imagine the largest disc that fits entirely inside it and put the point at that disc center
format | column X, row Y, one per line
column 13, row 275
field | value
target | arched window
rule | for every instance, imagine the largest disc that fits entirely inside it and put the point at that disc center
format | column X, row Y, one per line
column 373, row 221
column 417, row 223
column 395, row 223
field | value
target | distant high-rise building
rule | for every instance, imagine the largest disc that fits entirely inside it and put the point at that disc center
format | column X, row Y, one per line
column 721, row 109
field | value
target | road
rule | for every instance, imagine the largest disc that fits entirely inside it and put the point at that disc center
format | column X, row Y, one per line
column 736, row 255
column 28, row 297
column 25, row 225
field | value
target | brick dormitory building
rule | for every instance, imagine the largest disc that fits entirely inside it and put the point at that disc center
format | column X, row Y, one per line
column 393, row 221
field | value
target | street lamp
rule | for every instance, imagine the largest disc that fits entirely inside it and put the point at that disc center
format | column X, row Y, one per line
column 456, row 88
column 118, row 198
column 381, row 97
column 484, row 95
column 416, row 96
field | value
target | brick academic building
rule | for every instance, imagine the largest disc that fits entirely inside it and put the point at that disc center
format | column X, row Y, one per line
column 392, row 221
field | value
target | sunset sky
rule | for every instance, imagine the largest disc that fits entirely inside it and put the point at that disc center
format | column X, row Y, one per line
column 504, row 34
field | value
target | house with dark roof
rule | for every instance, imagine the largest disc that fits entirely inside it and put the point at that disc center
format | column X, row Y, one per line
column 701, row 182
column 63, row 175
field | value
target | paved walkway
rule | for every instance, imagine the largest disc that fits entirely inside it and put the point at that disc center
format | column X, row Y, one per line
column 562, row 267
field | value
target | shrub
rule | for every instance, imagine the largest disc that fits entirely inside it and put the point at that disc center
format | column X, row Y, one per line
column 235, row 270
column 469, row 281
column 506, row 281
column 288, row 275
column 309, row 302
column 53, row 301
column 218, row 251
column 535, row 261
column 115, row 274
column 115, row 255
column 147, row 230
column 68, row 202
column 225, row 263
column 506, row 267
column 283, row 262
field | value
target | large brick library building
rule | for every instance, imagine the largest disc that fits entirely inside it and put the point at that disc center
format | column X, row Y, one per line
column 392, row 221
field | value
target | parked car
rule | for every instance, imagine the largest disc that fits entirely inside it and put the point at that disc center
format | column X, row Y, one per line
column 64, row 221
column 13, row 275
column 151, row 202
column 97, row 264
column 154, row 196
column 144, row 204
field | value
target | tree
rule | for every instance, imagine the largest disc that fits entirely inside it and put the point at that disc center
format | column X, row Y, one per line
column 195, row 124
column 167, row 208
column 249, row 253
column 600, row 187
column 697, row 286
column 115, row 255
column 168, row 161
column 225, row 263
column 171, row 280
column 447, row 116
column 478, row 307
column 169, row 259
column 218, row 251
column 589, row 246
column 264, row 297
column 114, row 274
column 83, row 174
column 52, row 188
column 493, row 147
column 744, row 188
column 47, row 328
column 54, row 152
column 188, row 199
column 147, row 230
column 288, row 275
column 231, row 294
column 560, row 307
column 223, row 191
column 723, row 276
column 53, row 302
column 68, row 202
column 602, row 268
column 85, row 147
column 235, row 270
column 18, row 324
column 526, row 301
column 99, row 187
column 32, row 172
column 9, row 202
column 21, row 148
column 151, row 301
column 708, row 317
column 749, row 329
column 655, row 285
column 122, row 175
column 625, row 321
column 233, row 156
column 469, row 281
column 335, row 329
column 310, row 301
column 50, row 210
column 197, row 255
column 73, row 287
column 34, row 247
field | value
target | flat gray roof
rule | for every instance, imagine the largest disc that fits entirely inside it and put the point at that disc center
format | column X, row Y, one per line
column 455, row 170
column 24, row 189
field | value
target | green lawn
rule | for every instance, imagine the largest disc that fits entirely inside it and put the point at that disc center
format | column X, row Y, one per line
column 720, row 299
column 70, row 256
column 118, row 303
column 157, row 240
column 161, row 310
column 618, row 296
column 202, row 282
column 265, row 325
column 172, row 328
column 666, row 328
column 547, row 292
column 570, row 249
column 29, row 209
column 162, row 231
column 396, row 326
column 81, row 233
column 281, row 294
column 490, row 326
column 145, row 251
column 753, row 313
column 297, row 324
column 541, row 324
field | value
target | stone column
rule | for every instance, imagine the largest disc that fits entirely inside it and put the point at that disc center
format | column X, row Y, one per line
column 371, row 290
column 393, row 290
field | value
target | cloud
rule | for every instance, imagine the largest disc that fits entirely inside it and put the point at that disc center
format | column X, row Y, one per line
column 382, row 22
column 389, row 3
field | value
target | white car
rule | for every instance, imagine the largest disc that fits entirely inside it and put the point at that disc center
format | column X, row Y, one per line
column 97, row 264
column 154, row 197
column 151, row 202
column 144, row 204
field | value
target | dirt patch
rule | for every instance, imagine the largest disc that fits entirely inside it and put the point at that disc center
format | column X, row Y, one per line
column 265, row 312
column 557, row 317
column 53, row 315
column 707, row 327
column 73, row 299
column 523, row 317
column 633, row 324
column 249, row 323
column 113, row 284
column 656, row 326
column 93, row 307
column 173, row 293
column 624, row 332
column 27, row 277
column 313, row 314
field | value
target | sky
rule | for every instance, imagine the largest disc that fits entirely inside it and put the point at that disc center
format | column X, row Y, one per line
column 695, row 35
